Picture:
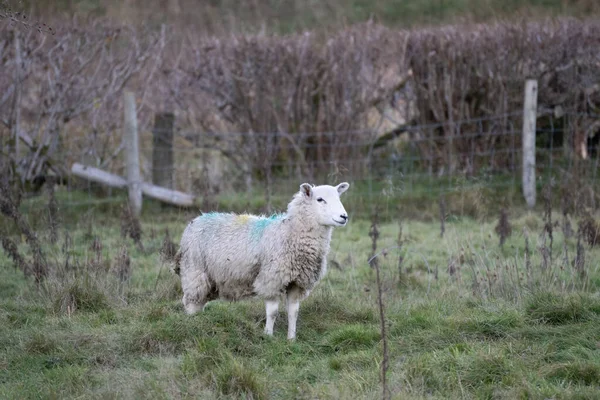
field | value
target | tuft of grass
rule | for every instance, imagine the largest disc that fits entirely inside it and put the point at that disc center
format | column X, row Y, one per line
column 167, row 336
column 493, row 326
column 550, row 308
column 40, row 343
column 157, row 313
column 337, row 310
column 352, row 337
column 168, row 288
column 577, row 373
column 236, row 378
column 359, row 360
column 215, row 365
column 486, row 369
column 417, row 319
column 107, row 317
column 19, row 315
column 203, row 358
column 80, row 295
column 531, row 221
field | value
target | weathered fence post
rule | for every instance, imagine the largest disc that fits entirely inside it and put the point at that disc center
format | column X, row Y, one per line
column 529, row 121
column 162, row 150
column 132, row 157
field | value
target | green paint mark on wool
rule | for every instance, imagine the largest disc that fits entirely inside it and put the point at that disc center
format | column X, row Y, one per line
column 260, row 224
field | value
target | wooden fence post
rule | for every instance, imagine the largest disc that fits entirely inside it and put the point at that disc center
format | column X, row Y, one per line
column 132, row 157
column 529, row 121
column 162, row 150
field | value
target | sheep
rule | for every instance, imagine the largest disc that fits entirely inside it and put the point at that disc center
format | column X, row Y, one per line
column 233, row 257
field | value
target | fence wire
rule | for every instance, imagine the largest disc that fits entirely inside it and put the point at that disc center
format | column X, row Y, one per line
column 429, row 159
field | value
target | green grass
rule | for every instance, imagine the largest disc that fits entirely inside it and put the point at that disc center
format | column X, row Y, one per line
column 284, row 16
column 483, row 332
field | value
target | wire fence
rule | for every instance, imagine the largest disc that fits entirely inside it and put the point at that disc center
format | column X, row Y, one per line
column 412, row 161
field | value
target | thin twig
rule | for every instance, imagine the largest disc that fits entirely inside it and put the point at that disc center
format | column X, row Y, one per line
column 374, row 263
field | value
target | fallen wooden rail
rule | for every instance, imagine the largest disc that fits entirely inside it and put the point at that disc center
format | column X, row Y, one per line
column 157, row 192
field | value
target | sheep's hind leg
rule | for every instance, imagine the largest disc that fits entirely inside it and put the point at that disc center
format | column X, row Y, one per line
column 294, row 295
column 272, row 308
column 195, row 293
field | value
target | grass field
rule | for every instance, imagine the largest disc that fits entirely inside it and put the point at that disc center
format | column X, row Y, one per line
column 466, row 318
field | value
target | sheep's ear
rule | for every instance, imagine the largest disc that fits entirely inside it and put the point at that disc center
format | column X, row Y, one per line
column 342, row 187
column 306, row 190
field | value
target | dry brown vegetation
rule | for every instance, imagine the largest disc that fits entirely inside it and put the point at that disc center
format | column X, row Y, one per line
column 61, row 93
column 468, row 73
column 295, row 102
column 286, row 16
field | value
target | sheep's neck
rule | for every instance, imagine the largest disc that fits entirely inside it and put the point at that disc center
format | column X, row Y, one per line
column 305, row 227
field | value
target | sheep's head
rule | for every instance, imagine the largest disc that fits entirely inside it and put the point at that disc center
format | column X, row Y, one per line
column 324, row 203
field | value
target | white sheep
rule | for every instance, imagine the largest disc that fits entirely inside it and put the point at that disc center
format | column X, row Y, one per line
column 233, row 257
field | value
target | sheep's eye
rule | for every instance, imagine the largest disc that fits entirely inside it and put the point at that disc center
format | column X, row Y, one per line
column 320, row 200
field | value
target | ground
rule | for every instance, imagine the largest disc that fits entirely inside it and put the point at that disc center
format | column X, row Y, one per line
column 508, row 333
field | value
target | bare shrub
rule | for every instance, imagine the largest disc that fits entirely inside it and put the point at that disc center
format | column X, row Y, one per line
column 566, row 227
column 53, row 217
column 292, row 86
column 548, row 224
column 12, row 251
column 69, row 83
column 22, row 19
column 400, row 243
column 589, row 230
column 503, row 229
column 463, row 73
column 97, row 264
column 130, row 226
column 39, row 266
column 77, row 284
column 512, row 278
column 66, row 250
column 579, row 260
column 297, row 104
column 168, row 249
column 122, row 265
column 527, row 255
column 442, row 203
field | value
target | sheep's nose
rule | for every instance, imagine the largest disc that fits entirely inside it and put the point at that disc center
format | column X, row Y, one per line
column 344, row 217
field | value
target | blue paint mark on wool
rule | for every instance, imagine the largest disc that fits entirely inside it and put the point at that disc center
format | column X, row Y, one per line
column 259, row 225
column 210, row 216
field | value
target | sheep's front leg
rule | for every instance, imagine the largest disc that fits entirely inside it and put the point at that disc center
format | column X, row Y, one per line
column 294, row 296
column 272, row 307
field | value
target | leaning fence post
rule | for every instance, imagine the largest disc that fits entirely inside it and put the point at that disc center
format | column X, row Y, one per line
column 162, row 150
column 529, row 120
column 132, row 157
